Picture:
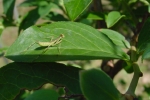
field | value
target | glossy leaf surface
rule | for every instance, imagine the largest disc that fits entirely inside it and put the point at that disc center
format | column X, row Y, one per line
column 96, row 85
column 17, row 76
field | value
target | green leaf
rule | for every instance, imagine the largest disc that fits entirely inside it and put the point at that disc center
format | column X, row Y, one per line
column 54, row 16
column 39, row 12
column 1, row 27
column 15, row 77
column 81, row 42
column 44, row 94
column 45, row 9
column 28, row 19
column 112, row 18
column 144, row 37
column 96, row 85
column 116, row 37
column 145, row 2
column 2, row 51
column 8, row 6
column 146, row 54
column 127, row 67
column 30, row 3
column 95, row 16
column 75, row 7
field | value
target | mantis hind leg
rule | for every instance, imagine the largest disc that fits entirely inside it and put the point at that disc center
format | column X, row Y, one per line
column 56, row 42
column 58, row 48
column 41, row 54
column 46, row 50
column 29, row 47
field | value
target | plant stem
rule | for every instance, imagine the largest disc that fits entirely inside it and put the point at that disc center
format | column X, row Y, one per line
column 136, row 76
column 136, row 69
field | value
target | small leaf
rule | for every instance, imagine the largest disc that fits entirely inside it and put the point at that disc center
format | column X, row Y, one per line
column 1, row 27
column 28, row 19
column 146, row 54
column 96, row 85
column 31, row 3
column 44, row 94
column 75, row 7
column 54, row 16
column 8, row 6
column 2, row 51
column 39, row 12
column 127, row 67
column 144, row 37
column 80, row 42
column 15, row 77
column 112, row 18
column 95, row 16
column 116, row 37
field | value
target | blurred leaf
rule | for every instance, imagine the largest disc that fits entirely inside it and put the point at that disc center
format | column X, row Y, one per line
column 1, row 26
column 132, row 2
column 28, row 3
column 96, row 85
column 1, row 30
column 29, row 19
column 116, row 37
column 45, row 9
column 81, row 42
column 75, row 7
column 44, row 94
column 143, row 10
column 147, row 90
column 146, row 54
column 2, row 51
column 144, row 40
column 53, row 14
column 86, row 21
column 95, row 16
column 128, row 67
column 144, row 36
column 22, row 95
column 18, row 76
column 8, row 6
column 55, row 17
column 112, row 18
column 145, row 2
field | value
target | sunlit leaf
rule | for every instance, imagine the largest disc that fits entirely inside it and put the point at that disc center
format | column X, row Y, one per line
column 80, row 42
column 75, row 7
column 116, row 37
column 112, row 18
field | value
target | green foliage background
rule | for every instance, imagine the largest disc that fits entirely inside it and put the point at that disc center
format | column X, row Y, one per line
column 97, row 30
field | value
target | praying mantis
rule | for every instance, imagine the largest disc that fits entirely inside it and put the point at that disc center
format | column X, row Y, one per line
column 52, row 42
